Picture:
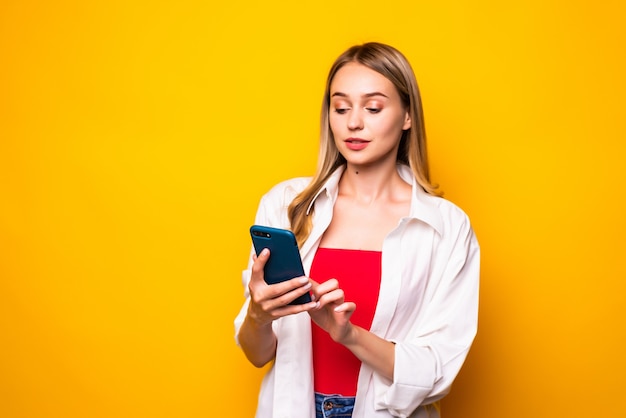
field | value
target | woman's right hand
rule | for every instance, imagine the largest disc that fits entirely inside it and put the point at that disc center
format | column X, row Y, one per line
column 270, row 302
column 267, row 303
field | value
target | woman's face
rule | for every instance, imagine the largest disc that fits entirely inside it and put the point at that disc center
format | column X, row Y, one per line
column 367, row 116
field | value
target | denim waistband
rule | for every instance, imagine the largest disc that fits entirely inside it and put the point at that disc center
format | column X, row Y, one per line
column 331, row 406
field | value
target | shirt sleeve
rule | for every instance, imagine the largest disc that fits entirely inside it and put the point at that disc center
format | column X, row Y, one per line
column 260, row 219
column 272, row 211
column 427, row 363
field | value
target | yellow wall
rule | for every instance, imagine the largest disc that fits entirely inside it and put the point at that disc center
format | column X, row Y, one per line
column 136, row 138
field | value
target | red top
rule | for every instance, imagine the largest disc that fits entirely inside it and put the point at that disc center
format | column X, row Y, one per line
column 335, row 368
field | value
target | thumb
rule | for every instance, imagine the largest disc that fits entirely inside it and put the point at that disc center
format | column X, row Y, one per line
column 259, row 263
column 347, row 308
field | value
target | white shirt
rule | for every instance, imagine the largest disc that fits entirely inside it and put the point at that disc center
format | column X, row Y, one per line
column 428, row 306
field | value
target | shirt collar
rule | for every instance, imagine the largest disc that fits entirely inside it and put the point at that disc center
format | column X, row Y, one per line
column 423, row 205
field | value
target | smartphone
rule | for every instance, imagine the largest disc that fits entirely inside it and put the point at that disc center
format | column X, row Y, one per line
column 284, row 262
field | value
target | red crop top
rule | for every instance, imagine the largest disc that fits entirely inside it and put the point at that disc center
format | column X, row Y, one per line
column 335, row 368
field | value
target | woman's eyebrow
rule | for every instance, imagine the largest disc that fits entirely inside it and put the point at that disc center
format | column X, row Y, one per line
column 367, row 95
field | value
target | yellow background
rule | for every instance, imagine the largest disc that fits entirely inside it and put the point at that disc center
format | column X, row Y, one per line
column 136, row 138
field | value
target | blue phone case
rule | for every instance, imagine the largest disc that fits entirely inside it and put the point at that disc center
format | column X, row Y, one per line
column 284, row 262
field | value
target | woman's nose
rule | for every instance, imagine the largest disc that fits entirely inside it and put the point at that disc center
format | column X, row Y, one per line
column 355, row 120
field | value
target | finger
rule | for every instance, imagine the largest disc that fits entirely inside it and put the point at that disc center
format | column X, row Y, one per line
column 264, row 312
column 286, row 292
column 334, row 297
column 297, row 283
column 293, row 309
column 280, row 305
column 280, row 294
column 259, row 264
column 264, row 255
column 346, row 307
column 325, row 287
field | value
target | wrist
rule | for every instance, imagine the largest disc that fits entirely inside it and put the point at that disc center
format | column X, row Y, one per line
column 351, row 336
column 256, row 321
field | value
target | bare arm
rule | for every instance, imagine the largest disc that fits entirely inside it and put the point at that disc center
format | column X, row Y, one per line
column 257, row 341
column 372, row 350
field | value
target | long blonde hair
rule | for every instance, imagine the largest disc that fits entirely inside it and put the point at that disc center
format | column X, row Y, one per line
column 389, row 62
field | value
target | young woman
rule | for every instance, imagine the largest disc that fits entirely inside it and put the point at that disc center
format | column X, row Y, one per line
column 393, row 268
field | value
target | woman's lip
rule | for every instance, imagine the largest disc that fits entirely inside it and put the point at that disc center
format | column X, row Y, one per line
column 356, row 144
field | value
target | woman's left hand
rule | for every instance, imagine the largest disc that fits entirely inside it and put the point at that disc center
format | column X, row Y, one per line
column 333, row 313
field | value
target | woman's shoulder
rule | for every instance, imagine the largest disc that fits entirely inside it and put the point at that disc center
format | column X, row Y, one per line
column 432, row 206
column 284, row 192
column 451, row 215
column 273, row 209
column 448, row 206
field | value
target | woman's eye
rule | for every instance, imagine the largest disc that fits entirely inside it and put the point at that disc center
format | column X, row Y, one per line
column 341, row 110
column 373, row 109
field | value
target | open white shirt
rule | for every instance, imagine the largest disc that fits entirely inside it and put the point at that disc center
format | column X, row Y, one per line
column 428, row 306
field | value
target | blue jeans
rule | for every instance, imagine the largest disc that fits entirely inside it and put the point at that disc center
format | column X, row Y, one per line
column 331, row 406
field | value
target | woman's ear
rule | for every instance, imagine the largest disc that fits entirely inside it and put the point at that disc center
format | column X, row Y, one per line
column 407, row 121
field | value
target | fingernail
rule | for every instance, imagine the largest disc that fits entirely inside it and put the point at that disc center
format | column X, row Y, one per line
column 304, row 280
column 265, row 251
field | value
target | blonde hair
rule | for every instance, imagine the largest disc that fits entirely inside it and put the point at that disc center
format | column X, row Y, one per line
column 389, row 62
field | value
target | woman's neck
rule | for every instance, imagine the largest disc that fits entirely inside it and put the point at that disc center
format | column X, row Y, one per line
column 368, row 185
